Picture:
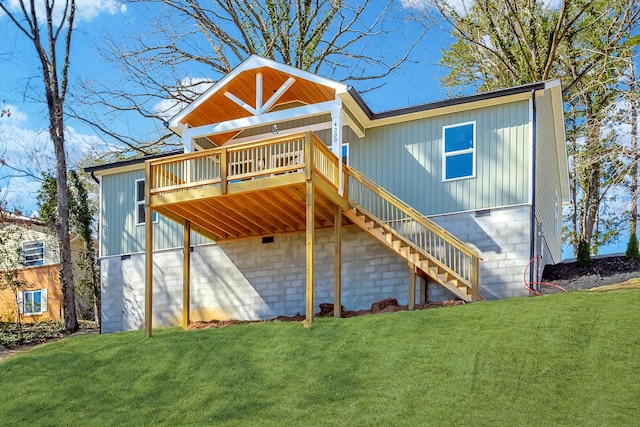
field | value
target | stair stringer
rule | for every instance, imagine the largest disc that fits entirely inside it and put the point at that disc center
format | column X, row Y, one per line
column 404, row 248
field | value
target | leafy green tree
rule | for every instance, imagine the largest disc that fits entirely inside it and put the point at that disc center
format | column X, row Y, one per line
column 82, row 214
column 584, row 43
column 632, row 248
column 634, row 157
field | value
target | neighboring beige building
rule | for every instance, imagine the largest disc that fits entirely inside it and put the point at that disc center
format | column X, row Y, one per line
column 42, row 299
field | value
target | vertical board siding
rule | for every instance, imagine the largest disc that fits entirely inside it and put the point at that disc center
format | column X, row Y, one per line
column 118, row 230
column 406, row 159
column 548, row 178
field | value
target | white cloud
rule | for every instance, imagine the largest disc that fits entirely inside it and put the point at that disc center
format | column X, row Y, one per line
column 460, row 6
column 86, row 10
column 31, row 151
column 553, row 4
column 191, row 88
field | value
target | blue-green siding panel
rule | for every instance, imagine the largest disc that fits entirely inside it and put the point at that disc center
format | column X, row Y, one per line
column 406, row 159
column 548, row 197
column 119, row 233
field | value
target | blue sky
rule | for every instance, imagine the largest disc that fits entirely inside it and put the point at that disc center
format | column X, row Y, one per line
column 24, row 140
column 23, row 136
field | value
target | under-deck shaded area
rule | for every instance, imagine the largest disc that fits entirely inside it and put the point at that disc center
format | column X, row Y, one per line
column 292, row 184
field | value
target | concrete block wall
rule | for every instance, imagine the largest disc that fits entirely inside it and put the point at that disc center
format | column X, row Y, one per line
column 248, row 279
column 502, row 238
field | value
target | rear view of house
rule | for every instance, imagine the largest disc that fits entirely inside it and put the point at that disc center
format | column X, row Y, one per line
column 290, row 192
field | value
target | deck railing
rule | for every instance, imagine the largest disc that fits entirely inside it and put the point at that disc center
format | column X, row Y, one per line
column 225, row 165
column 440, row 247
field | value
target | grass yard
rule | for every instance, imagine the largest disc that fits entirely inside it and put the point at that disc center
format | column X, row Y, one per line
column 567, row 359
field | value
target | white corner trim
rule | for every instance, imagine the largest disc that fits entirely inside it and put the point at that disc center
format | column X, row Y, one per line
column 531, row 153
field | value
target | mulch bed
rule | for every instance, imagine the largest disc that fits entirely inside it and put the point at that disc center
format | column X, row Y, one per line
column 603, row 267
column 388, row 305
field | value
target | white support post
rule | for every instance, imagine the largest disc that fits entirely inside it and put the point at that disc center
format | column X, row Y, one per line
column 187, row 140
column 336, row 141
column 258, row 91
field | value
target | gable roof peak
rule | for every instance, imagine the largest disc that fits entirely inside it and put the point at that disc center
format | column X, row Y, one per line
column 254, row 62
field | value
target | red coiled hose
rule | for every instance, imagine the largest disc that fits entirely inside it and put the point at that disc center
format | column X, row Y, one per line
column 528, row 285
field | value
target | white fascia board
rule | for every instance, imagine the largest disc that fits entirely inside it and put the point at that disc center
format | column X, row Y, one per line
column 532, row 153
column 264, row 119
column 561, row 137
column 254, row 61
column 296, row 72
column 355, row 110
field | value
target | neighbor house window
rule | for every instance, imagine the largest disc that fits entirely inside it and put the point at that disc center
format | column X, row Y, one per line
column 32, row 302
column 140, row 206
column 33, row 253
column 459, row 159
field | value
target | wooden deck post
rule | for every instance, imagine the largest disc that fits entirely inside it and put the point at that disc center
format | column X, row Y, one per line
column 310, row 226
column 148, row 258
column 412, row 287
column 337, row 263
column 224, row 169
column 186, row 276
column 475, row 281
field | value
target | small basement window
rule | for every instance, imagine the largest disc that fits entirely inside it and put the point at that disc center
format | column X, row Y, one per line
column 459, row 157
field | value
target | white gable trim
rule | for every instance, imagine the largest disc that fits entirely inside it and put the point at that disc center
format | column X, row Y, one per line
column 253, row 62
column 190, row 134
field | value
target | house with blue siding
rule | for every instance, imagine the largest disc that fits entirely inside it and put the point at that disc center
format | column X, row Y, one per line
column 289, row 192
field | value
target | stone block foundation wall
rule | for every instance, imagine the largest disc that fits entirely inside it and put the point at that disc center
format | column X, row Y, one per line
column 502, row 236
column 248, row 279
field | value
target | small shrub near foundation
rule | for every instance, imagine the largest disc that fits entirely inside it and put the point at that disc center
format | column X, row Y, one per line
column 32, row 333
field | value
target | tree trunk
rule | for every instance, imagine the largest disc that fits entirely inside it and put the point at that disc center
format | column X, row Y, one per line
column 56, row 131
column 635, row 155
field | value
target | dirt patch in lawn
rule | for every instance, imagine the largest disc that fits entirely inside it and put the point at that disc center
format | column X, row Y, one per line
column 388, row 305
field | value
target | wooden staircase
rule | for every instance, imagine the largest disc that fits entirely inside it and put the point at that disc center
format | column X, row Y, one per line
column 435, row 253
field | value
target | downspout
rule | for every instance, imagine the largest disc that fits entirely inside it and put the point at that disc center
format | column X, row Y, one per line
column 534, row 134
column 95, row 178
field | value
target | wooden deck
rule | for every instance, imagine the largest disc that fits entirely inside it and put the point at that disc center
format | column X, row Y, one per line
column 260, row 192
column 296, row 184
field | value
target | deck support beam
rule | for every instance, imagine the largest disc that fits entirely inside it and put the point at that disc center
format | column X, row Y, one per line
column 412, row 287
column 186, row 276
column 337, row 263
column 310, row 228
column 148, row 258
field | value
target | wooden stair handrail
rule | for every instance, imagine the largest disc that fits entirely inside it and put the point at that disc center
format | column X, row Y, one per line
column 411, row 212
column 471, row 280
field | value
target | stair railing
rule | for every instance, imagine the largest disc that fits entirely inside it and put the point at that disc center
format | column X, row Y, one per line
column 438, row 245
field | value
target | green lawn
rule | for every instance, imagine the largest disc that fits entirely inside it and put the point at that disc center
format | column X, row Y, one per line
column 570, row 359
